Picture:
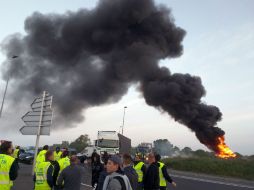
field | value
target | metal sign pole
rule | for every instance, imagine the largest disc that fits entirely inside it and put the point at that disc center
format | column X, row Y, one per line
column 38, row 132
column 1, row 110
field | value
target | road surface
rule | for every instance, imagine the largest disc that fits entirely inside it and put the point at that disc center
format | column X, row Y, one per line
column 185, row 181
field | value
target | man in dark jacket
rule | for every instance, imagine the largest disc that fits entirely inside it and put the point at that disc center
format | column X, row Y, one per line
column 152, row 179
column 71, row 176
column 129, row 171
column 163, row 173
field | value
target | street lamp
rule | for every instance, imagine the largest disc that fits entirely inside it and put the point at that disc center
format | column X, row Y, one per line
column 123, row 117
column 6, row 87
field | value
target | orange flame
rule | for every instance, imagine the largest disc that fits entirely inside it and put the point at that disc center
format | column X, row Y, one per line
column 223, row 150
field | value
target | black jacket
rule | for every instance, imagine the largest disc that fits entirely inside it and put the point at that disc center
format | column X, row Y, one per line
column 132, row 175
column 101, row 179
column 13, row 173
column 152, row 179
column 97, row 168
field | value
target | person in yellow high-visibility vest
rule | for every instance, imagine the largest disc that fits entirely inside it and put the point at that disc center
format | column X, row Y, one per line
column 16, row 152
column 163, row 174
column 57, row 154
column 8, row 166
column 140, row 168
column 43, row 177
column 41, row 155
column 61, row 164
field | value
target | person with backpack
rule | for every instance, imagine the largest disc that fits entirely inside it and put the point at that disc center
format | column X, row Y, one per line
column 116, row 180
column 129, row 171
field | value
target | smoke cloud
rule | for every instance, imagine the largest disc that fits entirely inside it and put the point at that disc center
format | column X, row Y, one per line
column 91, row 57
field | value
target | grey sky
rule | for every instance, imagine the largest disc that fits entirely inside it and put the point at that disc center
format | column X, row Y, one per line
column 218, row 47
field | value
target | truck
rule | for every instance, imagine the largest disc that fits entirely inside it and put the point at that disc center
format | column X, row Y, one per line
column 111, row 142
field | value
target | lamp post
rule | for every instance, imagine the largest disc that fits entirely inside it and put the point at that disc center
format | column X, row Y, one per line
column 6, row 87
column 123, row 117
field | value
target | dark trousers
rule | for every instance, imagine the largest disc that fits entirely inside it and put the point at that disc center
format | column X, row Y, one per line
column 163, row 188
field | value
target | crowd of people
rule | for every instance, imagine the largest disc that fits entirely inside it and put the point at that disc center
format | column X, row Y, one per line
column 59, row 171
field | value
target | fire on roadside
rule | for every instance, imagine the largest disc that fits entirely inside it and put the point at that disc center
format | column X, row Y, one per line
column 223, row 150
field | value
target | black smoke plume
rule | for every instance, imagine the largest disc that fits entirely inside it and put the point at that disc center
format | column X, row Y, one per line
column 91, row 57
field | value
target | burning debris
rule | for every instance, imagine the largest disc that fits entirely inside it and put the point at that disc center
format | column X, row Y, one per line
column 91, row 57
column 223, row 150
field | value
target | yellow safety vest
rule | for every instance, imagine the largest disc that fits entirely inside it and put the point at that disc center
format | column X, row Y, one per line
column 163, row 182
column 57, row 156
column 41, row 176
column 5, row 165
column 138, row 168
column 63, row 163
column 15, row 153
column 41, row 156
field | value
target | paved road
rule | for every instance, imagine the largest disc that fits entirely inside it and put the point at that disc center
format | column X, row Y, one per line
column 185, row 181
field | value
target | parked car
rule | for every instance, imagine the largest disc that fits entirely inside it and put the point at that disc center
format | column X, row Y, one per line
column 27, row 157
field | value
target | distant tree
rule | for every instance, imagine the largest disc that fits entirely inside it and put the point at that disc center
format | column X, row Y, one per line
column 65, row 144
column 201, row 153
column 186, row 151
column 80, row 143
column 163, row 147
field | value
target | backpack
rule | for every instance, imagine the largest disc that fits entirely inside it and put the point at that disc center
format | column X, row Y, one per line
column 121, row 181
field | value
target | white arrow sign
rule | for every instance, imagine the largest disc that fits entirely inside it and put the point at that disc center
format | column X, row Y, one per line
column 32, row 118
column 33, row 130
column 37, row 103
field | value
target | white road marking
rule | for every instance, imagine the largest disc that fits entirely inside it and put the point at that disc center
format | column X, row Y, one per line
column 212, row 181
column 86, row 185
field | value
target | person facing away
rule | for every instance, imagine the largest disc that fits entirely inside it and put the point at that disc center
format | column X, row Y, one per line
column 140, row 168
column 163, row 174
column 70, row 177
column 129, row 171
column 97, row 168
column 44, row 173
column 116, row 180
column 152, row 180
column 102, row 177
column 8, row 166
column 60, row 165
column 57, row 154
column 16, row 152
column 41, row 156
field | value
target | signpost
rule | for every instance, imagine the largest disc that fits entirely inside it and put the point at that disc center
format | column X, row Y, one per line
column 39, row 120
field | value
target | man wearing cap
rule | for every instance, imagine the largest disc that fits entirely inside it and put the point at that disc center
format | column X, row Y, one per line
column 116, row 180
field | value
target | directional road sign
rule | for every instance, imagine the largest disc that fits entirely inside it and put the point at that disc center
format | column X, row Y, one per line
column 33, row 130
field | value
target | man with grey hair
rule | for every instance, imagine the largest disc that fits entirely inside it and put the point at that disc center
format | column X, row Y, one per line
column 116, row 180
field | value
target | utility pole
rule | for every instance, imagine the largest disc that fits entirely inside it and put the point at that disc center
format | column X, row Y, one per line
column 6, row 87
column 123, row 117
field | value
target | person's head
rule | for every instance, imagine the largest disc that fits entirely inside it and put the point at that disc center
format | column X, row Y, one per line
column 46, row 147
column 151, row 158
column 49, row 156
column 96, row 158
column 74, row 160
column 127, row 160
column 65, row 154
column 138, row 157
column 6, row 148
column 17, row 147
column 57, row 149
column 113, row 164
column 157, row 157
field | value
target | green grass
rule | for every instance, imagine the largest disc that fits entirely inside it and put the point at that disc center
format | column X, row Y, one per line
column 238, row 168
